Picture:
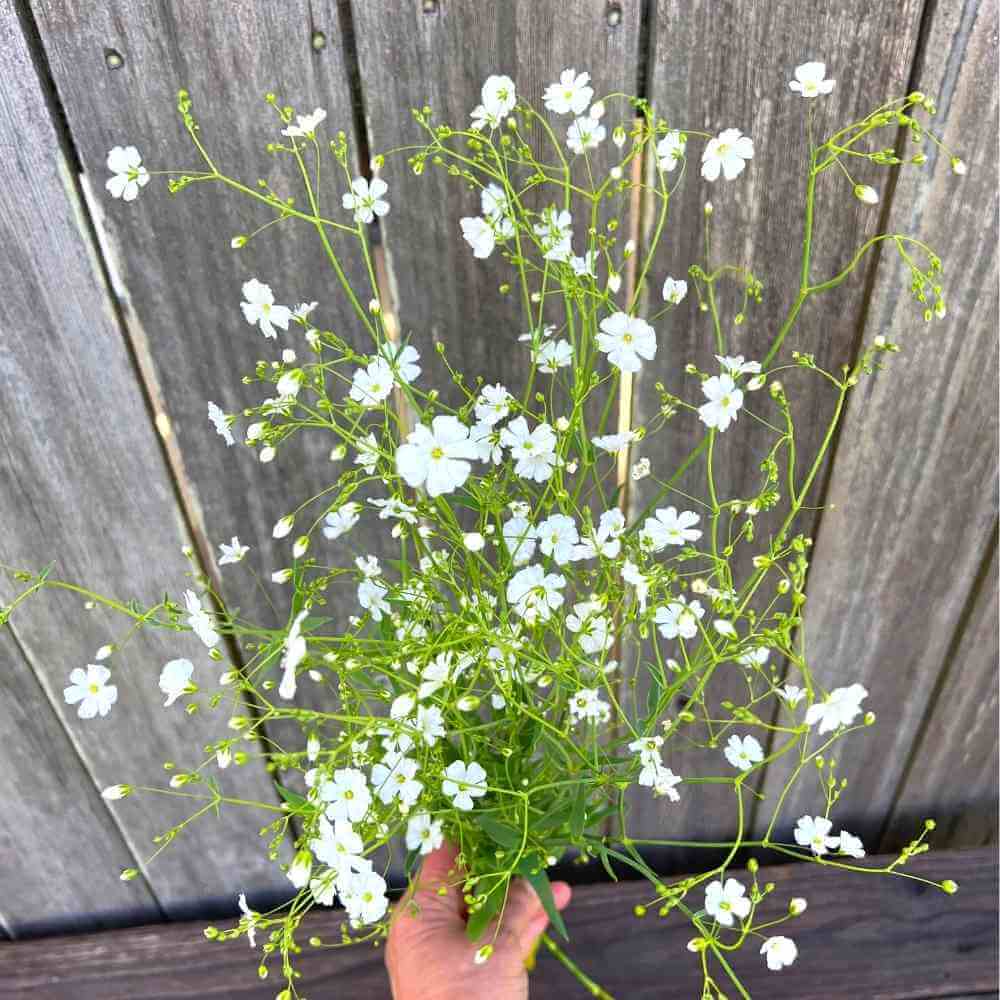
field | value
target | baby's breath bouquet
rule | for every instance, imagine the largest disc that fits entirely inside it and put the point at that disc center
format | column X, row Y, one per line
column 510, row 676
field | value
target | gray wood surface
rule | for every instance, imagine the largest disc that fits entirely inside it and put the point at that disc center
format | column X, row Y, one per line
column 409, row 58
column 83, row 484
column 180, row 281
column 862, row 936
column 958, row 738
column 914, row 481
column 716, row 66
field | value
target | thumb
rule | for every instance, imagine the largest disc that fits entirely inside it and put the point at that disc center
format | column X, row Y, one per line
column 525, row 919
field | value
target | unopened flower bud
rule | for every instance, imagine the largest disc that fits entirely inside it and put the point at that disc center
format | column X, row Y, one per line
column 866, row 194
column 958, row 166
column 114, row 792
column 796, row 906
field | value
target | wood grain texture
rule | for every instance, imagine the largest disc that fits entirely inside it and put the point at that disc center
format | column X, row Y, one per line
column 914, row 483
column 83, row 485
column 407, row 59
column 959, row 738
column 180, row 283
column 721, row 65
column 862, row 936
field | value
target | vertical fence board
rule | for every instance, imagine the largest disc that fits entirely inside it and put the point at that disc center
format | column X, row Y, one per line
column 60, row 852
column 960, row 738
column 181, row 282
column 409, row 58
column 914, row 481
column 83, row 484
column 721, row 65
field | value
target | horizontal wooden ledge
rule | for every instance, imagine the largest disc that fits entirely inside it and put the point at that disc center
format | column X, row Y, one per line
column 863, row 937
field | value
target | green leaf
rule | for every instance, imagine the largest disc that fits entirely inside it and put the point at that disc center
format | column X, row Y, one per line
column 603, row 852
column 540, row 882
column 292, row 798
column 505, row 836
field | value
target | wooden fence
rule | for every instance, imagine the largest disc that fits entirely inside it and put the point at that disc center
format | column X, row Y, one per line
column 117, row 326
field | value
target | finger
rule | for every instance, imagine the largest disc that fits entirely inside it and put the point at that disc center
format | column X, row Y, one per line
column 524, row 916
column 561, row 895
column 437, row 887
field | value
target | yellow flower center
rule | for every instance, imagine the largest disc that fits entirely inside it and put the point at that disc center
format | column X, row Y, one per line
column 94, row 688
column 437, row 452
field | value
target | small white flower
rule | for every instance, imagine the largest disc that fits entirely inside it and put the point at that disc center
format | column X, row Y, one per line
column 724, row 402
column 585, row 133
column 613, row 443
column 128, row 173
column 250, row 918
column 792, row 695
column 814, row 832
column 499, row 96
column 363, row 896
column 552, row 355
column 674, row 290
column 486, row 438
column 402, row 358
column 533, row 452
column 371, row 596
column 520, row 538
column 668, row 527
column 625, row 339
column 260, row 310
column 305, row 125
column 743, row 752
column 423, row 833
column 91, row 689
column 641, row 469
column 666, row 782
column 232, row 553
column 631, row 575
column 606, row 540
column 365, row 199
column 463, row 783
column 436, row 456
column 493, row 404
column 840, row 708
column 585, row 266
column 294, row 652
column 342, row 520
column 755, row 657
column 557, row 537
column 395, row 778
column 367, row 456
column 200, row 620
column 347, row 795
column 570, row 95
column 371, row 385
column 534, row 595
column 479, row 234
column 679, row 619
column 587, row 705
column 724, row 628
column 221, row 424
column 810, row 80
column 555, row 233
column 392, row 507
column 724, row 902
column 594, row 628
column 866, row 193
column 779, row 951
column 430, row 723
column 850, row 845
column 175, row 680
column 473, row 541
column 728, row 152
column 115, row 792
column 670, row 150
column 737, row 366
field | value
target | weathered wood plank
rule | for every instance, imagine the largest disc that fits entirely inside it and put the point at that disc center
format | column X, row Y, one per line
column 409, row 58
column 862, row 936
column 697, row 81
column 180, row 281
column 60, row 851
column 914, row 484
column 83, row 484
column 960, row 739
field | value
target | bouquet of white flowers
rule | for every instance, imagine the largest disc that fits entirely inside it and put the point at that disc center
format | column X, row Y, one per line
column 506, row 679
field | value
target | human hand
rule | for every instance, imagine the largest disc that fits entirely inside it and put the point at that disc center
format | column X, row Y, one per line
column 430, row 957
